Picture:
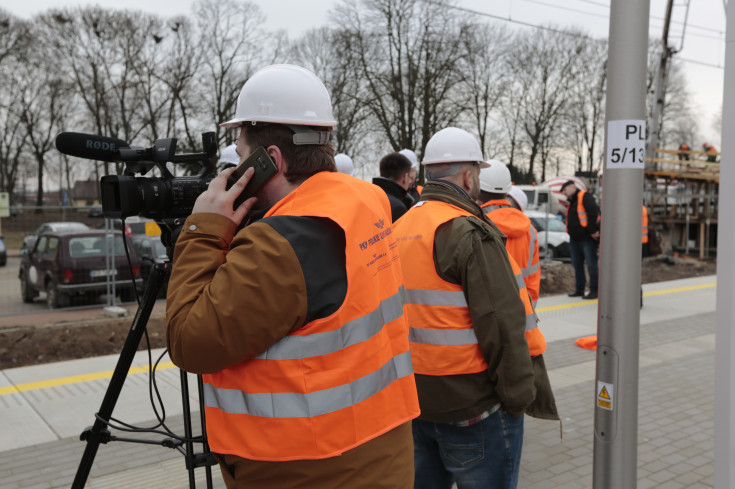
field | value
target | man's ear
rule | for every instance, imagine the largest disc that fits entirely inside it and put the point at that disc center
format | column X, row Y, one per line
column 467, row 178
column 275, row 153
column 405, row 180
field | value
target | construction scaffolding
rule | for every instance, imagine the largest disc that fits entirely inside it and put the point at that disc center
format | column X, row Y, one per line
column 681, row 191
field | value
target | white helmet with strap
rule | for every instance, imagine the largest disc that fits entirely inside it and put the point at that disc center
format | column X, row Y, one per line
column 289, row 95
column 495, row 178
column 453, row 145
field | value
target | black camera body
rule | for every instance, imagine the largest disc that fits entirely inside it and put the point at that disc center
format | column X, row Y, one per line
column 159, row 198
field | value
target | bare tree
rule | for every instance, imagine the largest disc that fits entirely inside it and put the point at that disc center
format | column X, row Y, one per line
column 547, row 66
column 586, row 113
column 328, row 53
column 13, row 46
column 42, row 103
column 483, row 79
column 232, row 40
column 408, row 52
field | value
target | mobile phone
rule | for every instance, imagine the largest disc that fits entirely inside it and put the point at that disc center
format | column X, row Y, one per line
column 264, row 167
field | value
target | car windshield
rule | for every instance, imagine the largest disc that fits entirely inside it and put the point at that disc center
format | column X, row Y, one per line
column 554, row 225
column 93, row 246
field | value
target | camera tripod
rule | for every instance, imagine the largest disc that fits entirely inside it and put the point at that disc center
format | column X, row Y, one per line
column 99, row 432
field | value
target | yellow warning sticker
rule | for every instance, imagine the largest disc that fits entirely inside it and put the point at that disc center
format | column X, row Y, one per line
column 605, row 395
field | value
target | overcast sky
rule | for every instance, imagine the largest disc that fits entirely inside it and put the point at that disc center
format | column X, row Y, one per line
column 702, row 53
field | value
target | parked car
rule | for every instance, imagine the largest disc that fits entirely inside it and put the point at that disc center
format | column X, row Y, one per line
column 558, row 239
column 30, row 240
column 150, row 251
column 95, row 211
column 3, row 253
column 65, row 264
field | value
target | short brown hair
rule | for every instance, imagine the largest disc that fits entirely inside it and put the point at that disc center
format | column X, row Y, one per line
column 303, row 160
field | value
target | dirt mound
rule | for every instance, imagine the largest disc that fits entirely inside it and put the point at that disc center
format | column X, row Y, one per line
column 31, row 345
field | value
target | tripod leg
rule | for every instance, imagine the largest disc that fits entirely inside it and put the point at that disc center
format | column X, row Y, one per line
column 99, row 433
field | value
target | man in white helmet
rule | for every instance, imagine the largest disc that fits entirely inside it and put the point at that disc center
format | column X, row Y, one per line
column 414, row 190
column 229, row 156
column 295, row 320
column 467, row 318
column 522, row 239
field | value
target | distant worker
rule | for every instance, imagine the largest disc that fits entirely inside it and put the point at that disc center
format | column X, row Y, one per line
column 229, row 157
column 395, row 175
column 683, row 152
column 522, row 242
column 711, row 152
column 414, row 190
column 467, row 320
column 584, row 236
column 344, row 164
column 644, row 240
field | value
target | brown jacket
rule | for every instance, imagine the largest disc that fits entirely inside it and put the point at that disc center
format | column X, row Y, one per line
column 231, row 296
column 473, row 254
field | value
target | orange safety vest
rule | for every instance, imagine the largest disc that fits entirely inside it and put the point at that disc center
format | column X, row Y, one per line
column 523, row 248
column 336, row 382
column 443, row 340
column 419, row 189
column 644, row 239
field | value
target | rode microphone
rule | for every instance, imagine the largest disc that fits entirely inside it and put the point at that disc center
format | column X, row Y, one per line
column 90, row 146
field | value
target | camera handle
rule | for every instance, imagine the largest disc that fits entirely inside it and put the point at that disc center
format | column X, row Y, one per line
column 99, row 433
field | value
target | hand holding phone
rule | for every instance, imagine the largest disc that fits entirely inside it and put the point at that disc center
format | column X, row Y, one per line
column 264, row 168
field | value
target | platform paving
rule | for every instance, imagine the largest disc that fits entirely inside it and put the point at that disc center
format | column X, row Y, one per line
column 43, row 409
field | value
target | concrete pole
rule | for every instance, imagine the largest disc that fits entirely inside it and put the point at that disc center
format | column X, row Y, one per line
column 616, row 386
column 725, row 338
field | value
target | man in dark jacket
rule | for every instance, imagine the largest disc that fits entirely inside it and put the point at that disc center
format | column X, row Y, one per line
column 584, row 237
column 395, row 179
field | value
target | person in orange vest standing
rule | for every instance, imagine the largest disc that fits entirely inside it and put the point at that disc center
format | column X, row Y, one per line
column 584, row 237
column 522, row 239
column 296, row 319
column 466, row 307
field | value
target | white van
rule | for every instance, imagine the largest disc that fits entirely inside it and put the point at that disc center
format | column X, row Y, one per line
column 542, row 198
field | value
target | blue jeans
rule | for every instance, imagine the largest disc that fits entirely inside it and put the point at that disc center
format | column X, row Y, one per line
column 584, row 251
column 485, row 455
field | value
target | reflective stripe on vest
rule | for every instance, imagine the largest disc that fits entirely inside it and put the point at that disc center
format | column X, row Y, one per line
column 581, row 211
column 442, row 337
column 335, row 382
column 304, row 405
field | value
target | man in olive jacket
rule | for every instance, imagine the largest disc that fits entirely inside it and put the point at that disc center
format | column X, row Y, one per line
column 473, row 371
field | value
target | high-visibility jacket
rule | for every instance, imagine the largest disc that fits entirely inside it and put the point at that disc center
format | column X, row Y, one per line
column 644, row 238
column 443, row 340
column 336, row 382
column 581, row 211
column 522, row 242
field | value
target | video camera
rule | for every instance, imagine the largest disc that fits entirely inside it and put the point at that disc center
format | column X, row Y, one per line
column 159, row 198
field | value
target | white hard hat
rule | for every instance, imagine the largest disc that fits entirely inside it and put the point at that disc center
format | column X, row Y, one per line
column 519, row 196
column 411, row 157
column 495, row 178
column 453, row 145
column 283, row 94
column 344, row 163
column 229, row 155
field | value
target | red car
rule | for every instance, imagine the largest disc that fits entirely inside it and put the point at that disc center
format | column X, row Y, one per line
column 65, row 264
